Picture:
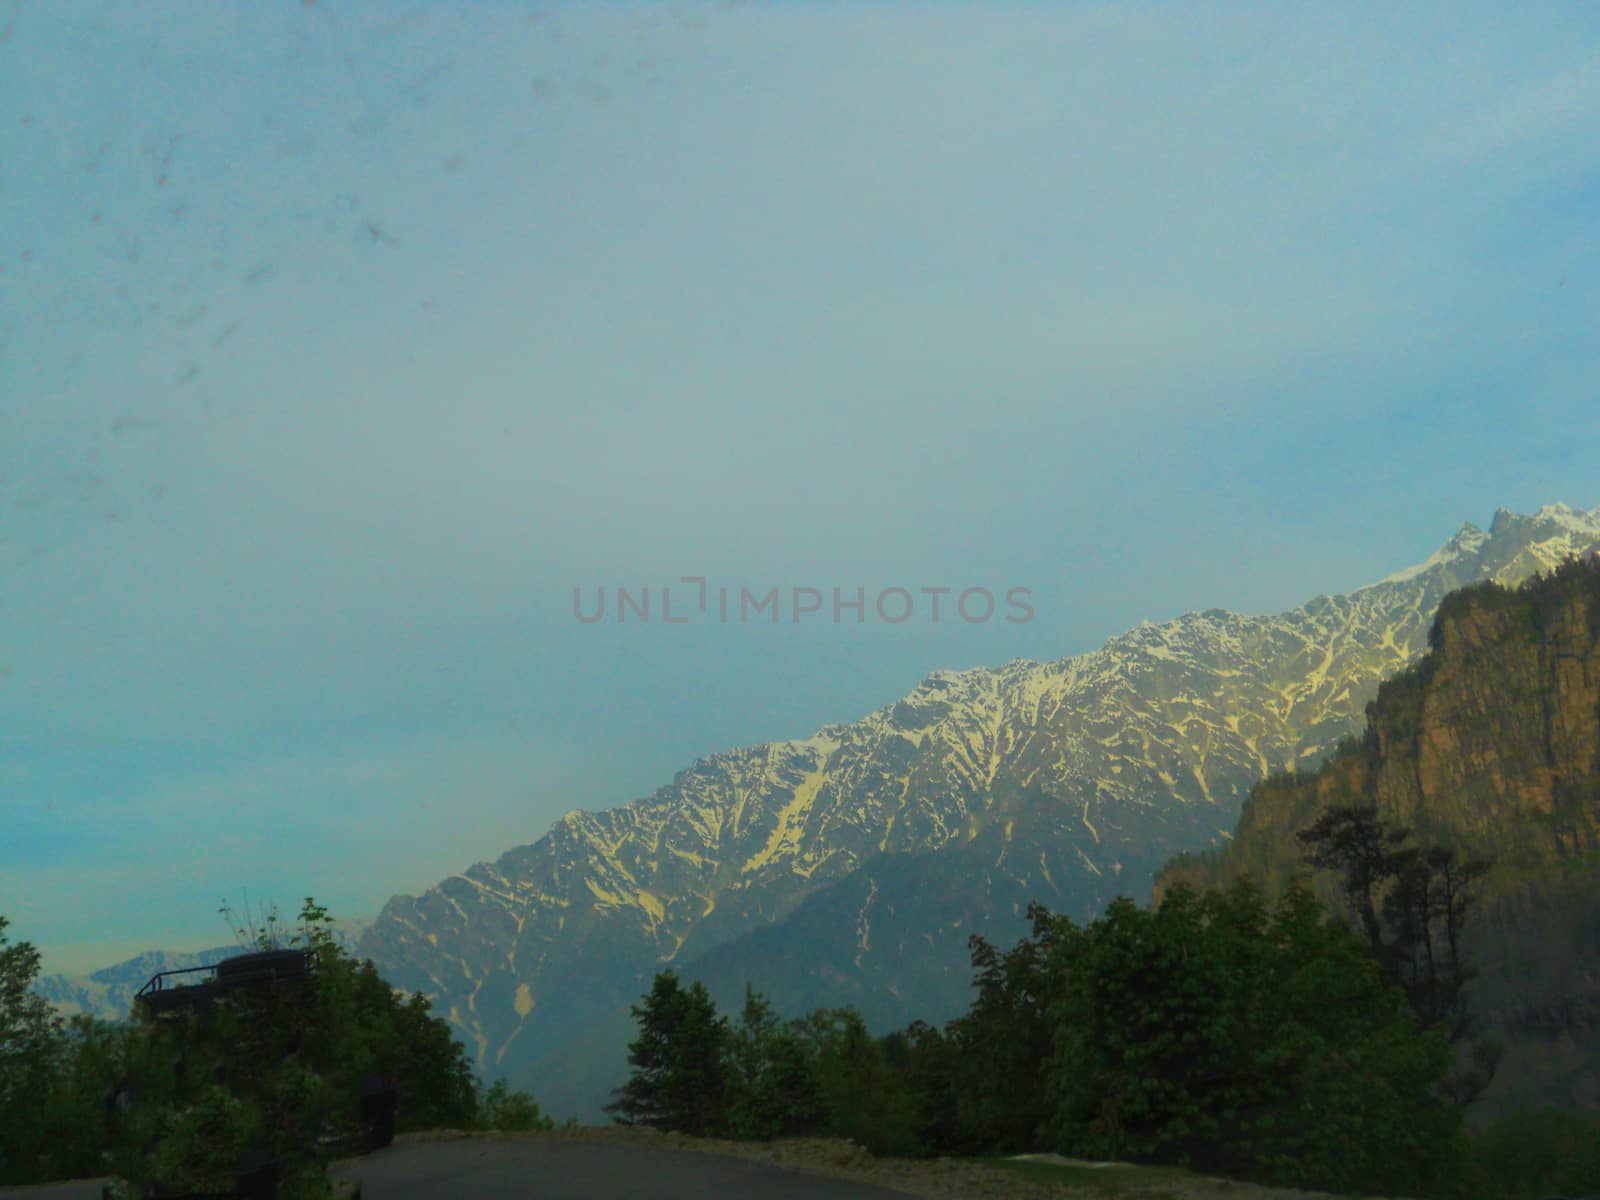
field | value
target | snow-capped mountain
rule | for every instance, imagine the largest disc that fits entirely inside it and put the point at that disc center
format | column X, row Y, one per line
column 1070, row 781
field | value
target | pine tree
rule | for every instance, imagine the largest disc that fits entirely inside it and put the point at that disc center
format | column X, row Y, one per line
column 1411, row 904
column 773, row 1084
column 700, row 1080
column 679, row 1078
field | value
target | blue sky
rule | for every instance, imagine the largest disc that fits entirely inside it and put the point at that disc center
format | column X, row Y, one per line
column 340, row 341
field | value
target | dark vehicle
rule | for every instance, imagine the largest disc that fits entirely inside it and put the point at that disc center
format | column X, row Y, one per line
column 261, row 966
column 166, row 1002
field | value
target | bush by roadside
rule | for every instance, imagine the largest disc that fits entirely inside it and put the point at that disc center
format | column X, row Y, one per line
column 277, row 1071
column 1536, row 1152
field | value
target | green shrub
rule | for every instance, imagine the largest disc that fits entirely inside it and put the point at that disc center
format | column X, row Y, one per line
column 197, row 1147
column 511, row 1112
column 1535, row 1152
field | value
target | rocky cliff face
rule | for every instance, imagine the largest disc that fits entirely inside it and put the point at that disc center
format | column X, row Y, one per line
column 1492, row 744
column 1067, row 781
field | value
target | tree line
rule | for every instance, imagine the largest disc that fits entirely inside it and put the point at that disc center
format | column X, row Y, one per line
column 270, row 1069
column 1265, row 1040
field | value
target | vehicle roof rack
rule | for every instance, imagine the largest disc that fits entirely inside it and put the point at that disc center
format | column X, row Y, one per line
column 162, row 997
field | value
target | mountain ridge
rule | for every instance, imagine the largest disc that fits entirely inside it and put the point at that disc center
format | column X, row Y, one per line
column 1109, row 762
column 942, row 812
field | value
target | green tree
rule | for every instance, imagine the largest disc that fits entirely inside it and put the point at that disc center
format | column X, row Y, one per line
column 1217, row 1032
column 679, row 1078
column 72, row 1118
column 1005, row 1038
column 281, row 1064
column 364, row 1028
column 264, row 1066
column 1411, row 905
column 274, row 1066
column 773, row 1090
column 30, row 1035
column 865, row 1099
column 934, row 1084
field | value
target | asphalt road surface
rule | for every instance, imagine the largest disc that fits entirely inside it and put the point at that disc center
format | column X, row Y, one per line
column 559, row 1169
column 554, row 1169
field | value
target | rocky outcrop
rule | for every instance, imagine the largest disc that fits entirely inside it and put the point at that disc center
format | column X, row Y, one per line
column 1491, row 743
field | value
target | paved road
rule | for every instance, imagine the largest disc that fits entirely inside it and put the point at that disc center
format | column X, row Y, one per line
column 554, row 1169
column 559, row 1169
column 87, row 1189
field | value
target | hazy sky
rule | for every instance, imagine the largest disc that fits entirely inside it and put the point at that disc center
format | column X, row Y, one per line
column 340, row 341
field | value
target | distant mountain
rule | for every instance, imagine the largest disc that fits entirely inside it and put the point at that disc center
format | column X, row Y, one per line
column 108, row 993
column 1490, row 744
column 851, row 865
column 890, row 939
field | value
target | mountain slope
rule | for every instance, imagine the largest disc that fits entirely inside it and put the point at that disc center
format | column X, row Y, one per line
column 1490, row 744
column 1078, row 777
column 889, row 939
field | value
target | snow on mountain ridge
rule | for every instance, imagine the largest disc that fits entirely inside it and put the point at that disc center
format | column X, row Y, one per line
column 1116, row 758
column 1575, row 519
column 1468, row 539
